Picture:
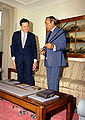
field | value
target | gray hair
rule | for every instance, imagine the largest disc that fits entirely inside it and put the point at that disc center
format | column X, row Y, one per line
column 52, row 18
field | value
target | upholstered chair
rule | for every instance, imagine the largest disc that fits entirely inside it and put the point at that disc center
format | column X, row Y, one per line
column 81, row 109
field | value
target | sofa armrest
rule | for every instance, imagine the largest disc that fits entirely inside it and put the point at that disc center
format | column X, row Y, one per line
column 9, row 72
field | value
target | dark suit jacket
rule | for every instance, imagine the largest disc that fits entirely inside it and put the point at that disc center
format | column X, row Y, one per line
column 28, row 53
column 56, row 58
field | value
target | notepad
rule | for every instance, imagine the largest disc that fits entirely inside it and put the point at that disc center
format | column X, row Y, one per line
column 35, row 97
column 23, row 85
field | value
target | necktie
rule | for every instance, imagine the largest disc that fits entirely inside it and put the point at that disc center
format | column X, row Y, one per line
column 48, row 36
column 24, row 40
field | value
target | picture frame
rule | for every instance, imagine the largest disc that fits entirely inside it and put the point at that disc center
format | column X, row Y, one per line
column 75, row 36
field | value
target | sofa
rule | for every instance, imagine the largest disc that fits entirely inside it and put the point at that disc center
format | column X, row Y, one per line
column 72, row 78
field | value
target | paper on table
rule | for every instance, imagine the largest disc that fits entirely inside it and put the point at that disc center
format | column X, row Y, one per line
column 23, row 85
column 16, row 90
column 10, row 82
column 42, row 99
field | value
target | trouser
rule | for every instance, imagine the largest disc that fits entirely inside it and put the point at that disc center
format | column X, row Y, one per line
column 53, row 77
column 25, row 74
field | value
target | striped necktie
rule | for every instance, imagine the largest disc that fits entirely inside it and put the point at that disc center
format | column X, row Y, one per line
column 48, row 36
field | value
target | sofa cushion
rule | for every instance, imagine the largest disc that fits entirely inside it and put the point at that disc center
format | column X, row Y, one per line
column 42, row 69
column 71, row 70
column 73, row 84
column 81, row 71
column 41, row 80
column 65, row 82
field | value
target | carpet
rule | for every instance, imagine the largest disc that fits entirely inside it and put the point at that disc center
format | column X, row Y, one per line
column 10, row 111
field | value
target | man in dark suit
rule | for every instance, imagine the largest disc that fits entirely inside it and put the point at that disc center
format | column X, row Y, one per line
column 24, row 53
column 54, row 57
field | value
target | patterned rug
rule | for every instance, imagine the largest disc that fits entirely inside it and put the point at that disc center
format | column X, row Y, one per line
column 10, row 111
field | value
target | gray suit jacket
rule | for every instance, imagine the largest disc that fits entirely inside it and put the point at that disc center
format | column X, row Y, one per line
column 56, row 58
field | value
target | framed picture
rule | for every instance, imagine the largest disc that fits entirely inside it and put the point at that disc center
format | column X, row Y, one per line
column 80, row 42
column 75, row 36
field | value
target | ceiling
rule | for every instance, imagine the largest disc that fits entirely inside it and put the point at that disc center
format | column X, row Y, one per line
column 32, row 4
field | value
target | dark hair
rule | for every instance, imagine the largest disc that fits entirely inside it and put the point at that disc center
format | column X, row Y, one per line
column 52, row 18
column 23, row 20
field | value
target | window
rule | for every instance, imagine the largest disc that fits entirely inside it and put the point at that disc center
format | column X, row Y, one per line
column 0, row 16
column 1, row 34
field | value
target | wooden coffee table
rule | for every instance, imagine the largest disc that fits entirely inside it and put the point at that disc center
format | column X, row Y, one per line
column 42, row 109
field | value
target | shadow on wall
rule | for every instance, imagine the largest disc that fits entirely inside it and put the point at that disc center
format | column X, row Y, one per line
column 38, row 48
column 67, row 64
column 37, row 40
column 30, row 26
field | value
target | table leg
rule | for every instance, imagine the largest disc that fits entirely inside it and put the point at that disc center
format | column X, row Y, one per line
column 41, row 114
column 68, row 112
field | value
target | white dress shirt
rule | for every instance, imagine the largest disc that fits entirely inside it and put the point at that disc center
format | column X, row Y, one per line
column 23, row 38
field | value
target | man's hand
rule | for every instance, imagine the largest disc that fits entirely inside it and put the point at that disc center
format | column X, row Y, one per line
column 49, row 45
column 42, row 53
column 34, row 66
column 14, row 65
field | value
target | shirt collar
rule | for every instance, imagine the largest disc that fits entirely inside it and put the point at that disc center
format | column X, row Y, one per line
column 23, row 32
column 53, row 28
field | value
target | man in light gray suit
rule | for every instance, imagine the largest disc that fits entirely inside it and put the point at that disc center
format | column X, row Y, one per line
column 54, row 57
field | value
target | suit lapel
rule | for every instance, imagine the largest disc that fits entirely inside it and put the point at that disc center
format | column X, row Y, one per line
column 19, row 39
column 53, row 33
